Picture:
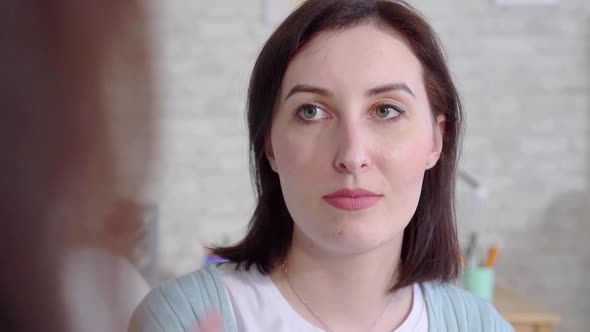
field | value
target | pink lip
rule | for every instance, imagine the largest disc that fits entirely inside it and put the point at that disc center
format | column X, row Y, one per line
column 352, row 199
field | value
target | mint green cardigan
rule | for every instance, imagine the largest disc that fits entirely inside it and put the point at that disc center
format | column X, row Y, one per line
column 176, row 305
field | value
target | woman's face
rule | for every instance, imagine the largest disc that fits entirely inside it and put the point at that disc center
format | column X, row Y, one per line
column 351, row 138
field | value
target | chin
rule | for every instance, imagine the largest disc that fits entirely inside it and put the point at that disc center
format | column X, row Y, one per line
column 350, row 233
column 359, row 239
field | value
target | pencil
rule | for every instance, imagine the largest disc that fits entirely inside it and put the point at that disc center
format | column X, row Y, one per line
column 492, row 257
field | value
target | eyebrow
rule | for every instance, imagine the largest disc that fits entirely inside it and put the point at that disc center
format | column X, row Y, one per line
column 302, row 88
column 390, row 87
column 308, row 89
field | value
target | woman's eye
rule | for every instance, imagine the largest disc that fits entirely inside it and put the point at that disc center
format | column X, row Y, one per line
column 388, row 111
column 311, row 113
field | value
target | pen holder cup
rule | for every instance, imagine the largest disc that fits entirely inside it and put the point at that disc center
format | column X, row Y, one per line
column 479, row 281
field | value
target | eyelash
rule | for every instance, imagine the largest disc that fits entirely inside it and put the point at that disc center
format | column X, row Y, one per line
column 396, row 108
column 301, row 108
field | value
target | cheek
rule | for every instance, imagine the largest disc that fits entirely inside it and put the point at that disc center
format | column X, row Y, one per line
column 296, row 153
column 403, row 159
column 300, row 170
column 411, row 155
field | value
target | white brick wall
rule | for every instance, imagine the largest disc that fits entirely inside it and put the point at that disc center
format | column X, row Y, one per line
column 524, row 75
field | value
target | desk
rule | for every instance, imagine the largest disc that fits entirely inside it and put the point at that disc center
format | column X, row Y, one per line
column 523, row 315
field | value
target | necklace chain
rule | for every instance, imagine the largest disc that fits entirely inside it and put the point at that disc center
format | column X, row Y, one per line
column 319, row 319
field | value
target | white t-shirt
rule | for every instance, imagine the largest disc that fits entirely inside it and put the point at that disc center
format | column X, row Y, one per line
column 259, row 306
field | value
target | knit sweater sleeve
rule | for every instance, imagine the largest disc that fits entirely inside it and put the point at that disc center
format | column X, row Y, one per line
column 453, row 309
column 180, row 304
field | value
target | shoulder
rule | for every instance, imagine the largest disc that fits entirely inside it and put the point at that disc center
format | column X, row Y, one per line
column 452, row 308
column 178, row 304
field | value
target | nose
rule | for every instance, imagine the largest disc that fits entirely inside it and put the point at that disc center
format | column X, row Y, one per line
column 352, row 155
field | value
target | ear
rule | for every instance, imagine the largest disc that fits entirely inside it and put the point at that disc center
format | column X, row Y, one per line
column 270, row 155
column 437, row 137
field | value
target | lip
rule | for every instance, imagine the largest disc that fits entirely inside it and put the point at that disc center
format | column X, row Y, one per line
column 352, row 199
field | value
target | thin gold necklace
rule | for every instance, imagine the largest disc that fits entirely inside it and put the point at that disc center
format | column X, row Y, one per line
column 325, row 326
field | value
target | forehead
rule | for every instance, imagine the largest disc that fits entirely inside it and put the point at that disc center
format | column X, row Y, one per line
column 362, row 56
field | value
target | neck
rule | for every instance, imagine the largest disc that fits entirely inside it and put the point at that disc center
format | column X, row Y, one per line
column 348, row 290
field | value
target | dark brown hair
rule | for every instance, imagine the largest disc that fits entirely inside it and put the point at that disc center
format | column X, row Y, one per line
column 430, row 250
column 61, row 88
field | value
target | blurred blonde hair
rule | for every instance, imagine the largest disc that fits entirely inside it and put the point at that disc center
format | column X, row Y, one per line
column 75, row 134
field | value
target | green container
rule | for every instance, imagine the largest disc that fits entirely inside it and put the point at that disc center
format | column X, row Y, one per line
column 480, row 282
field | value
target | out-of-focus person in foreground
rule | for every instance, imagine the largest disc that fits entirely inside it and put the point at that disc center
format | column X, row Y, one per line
column 76, row 132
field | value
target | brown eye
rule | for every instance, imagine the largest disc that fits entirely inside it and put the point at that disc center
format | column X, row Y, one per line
column 388, row 111
column 311, row 112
